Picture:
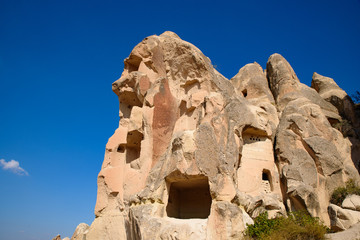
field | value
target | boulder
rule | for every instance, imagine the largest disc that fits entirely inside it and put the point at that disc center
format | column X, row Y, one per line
column 352, row 233
column 342, row 219
column 351, row 202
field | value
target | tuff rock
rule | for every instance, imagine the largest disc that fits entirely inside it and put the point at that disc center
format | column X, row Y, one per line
column 351, row 202
column 342, row 219
column 352, row 233
column 197, row 156
column 80, row 232
column 57, row 237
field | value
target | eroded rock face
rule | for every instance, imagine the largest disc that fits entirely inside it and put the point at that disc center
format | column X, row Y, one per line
column 351, row 202
column 57, row 237
column 349, row 124
column 352, row 233
column 331, row 92
column 80, row 232
column 341, row 218
column 196, row 156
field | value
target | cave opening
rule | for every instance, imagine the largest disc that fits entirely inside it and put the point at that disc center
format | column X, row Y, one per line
column 265, row 176
column 244, row 92
column 133, row 145
column 266, row 181
column 189, row 198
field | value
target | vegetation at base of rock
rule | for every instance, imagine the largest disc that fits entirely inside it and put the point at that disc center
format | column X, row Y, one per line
column 297, row 226
column 356, row 97
column 339, row 194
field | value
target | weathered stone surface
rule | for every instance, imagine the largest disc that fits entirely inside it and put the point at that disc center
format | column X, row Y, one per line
column 251, row 82
column 352, row 233
column 147, row 226
column 286, row 87
column 80, row 232
column 57, row 237
column 342, row 219
column 351, row 202
column 282, row 78
column 349, row 125
column 313, row 157
column 331, row 92
column 197, row 156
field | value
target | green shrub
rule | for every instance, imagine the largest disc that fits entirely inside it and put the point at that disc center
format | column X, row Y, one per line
column 297, row 226
column 339, row 194
column 262, row 226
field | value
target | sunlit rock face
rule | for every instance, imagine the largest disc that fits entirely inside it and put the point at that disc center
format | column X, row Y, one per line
column 197, row 156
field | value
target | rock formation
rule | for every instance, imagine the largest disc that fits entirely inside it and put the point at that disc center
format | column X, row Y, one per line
column 80, row 232
column 352, row 233
column 197, row 156
column 59, row 238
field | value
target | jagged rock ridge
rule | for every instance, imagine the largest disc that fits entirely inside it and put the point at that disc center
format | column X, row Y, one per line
column 197, row 156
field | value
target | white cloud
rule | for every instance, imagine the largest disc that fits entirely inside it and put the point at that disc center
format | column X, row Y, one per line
column 13, row 166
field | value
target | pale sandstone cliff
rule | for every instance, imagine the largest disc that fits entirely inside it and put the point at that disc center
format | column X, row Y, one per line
column 197, row 156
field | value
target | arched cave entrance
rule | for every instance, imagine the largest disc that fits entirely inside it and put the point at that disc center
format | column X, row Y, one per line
column 189, row 198
column 266, row 181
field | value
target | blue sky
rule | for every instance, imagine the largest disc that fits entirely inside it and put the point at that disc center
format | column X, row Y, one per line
column 59, row 58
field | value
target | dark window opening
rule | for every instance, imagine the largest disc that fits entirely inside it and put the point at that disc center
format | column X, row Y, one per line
column 189, row 198
column 334, row 123
column 244, row 92
column 265, row 177
column 132, row 63
column 255, row 138
column 121, row 148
